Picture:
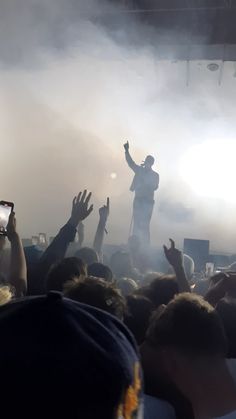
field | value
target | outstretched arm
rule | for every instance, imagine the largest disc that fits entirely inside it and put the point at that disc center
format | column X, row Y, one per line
column 217, row 291
column 129, row 159
column 175, row 259
column 81, row 209
column 18, row 270
column 99, row 236
column 80, row 231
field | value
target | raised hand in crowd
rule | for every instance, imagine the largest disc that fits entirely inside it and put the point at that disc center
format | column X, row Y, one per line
column 223, row 284
column 175, row 258
column 173, row 255
column 104, row 212
column 80, row 208
column 18, row 270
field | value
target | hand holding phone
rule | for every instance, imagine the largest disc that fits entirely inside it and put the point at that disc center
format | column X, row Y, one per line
column 6, row 208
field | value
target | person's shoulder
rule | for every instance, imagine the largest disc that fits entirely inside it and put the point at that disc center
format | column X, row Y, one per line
column 155, row 408
column 155, row 173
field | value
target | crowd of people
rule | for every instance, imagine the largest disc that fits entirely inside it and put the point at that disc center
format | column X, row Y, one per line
column 88, row 335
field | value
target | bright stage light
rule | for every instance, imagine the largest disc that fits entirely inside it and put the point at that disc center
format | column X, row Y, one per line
column 113, row 176
column 209, row 169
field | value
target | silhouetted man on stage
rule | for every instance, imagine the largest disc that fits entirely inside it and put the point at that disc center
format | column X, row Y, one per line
column 144, row 184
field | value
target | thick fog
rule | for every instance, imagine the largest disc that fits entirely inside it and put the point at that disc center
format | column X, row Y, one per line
column 72, row 91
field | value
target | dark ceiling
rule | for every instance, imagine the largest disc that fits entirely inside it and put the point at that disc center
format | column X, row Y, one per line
column 197, row 29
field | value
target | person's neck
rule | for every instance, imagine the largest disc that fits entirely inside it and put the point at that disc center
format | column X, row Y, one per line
column 210, row 398
column 198, row 415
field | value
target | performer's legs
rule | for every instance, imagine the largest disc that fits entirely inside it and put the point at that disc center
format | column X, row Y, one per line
column 142, row 212
column 137, row 217
column 147, row 215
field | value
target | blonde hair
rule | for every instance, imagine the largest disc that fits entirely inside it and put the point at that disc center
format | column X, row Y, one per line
column 5, row 294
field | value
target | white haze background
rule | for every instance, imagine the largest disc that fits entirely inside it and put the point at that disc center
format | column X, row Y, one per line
column 71, row 93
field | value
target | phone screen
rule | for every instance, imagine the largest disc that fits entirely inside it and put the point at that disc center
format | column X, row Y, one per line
column 5, row 210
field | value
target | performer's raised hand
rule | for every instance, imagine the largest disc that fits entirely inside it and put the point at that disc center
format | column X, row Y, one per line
column 126, row 146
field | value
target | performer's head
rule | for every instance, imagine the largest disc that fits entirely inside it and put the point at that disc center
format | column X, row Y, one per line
column 148, row 162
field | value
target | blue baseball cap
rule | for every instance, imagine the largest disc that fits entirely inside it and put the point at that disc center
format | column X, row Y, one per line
column 60, row 358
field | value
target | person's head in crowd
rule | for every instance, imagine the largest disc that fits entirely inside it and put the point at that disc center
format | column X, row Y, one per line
column 188, row 266
column 127, row 286
column 144, row 291
column 187, row 339
column 100, row 270
column 149, row 278
column 63, row 271
column 163, row 289
column 121, row 264
column 87, row 254
column 139, row 310
column 97, row 293
column 62, row 359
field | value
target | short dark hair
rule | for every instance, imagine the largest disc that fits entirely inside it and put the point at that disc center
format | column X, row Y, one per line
column 63, row 271
column 139, row 310
column 189, row 324
column 161, row 290
column 97, row 293
column 100, row 270
column 87, row 254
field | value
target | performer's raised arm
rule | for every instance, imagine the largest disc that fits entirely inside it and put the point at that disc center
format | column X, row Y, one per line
column 129, row 159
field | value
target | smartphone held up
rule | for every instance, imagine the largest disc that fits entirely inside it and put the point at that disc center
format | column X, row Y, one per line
column 6, row 209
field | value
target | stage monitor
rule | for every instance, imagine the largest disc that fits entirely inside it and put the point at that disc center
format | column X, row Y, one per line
column 199, row 251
